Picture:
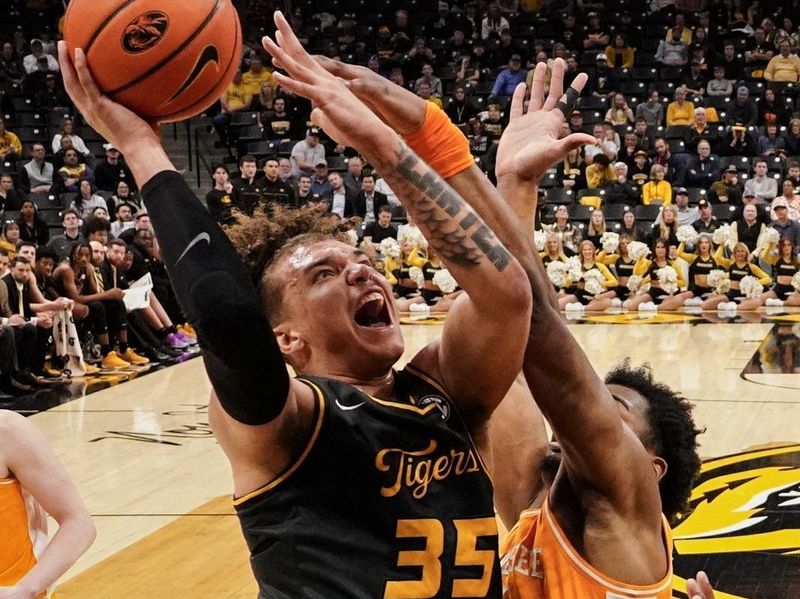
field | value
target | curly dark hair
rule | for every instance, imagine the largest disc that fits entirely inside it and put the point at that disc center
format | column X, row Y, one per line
column 673, row 435
column 273, row 231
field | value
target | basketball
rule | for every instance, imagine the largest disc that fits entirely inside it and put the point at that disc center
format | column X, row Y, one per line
column 165, row 60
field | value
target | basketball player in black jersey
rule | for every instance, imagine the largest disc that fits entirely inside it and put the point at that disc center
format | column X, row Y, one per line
column 352, row 480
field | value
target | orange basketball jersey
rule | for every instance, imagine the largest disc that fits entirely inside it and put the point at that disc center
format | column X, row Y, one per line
column 538, row 562
column 16, row 550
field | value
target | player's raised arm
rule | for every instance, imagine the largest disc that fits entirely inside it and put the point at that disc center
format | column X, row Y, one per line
column 241, row 354
column 498, row 294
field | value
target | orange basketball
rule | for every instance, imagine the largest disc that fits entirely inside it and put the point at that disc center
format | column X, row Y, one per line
column 166, row 60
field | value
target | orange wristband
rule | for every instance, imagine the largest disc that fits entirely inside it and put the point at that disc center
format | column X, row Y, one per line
column 441, row 144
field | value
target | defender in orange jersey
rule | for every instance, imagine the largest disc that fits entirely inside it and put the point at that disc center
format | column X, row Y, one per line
column 627, row 455
column 32, row 482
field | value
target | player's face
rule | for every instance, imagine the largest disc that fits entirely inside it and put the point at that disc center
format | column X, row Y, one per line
column 44, row 267
column 271, row 169
column 342, row 308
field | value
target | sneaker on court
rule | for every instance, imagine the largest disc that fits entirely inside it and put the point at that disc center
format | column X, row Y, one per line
column 112, row 361
column 188, row 339
column 616, row 302
column 90, row 369
column 420, row 308
column 188, row 330
column 693, row 301
column 133, row 358
column 573, row 307
column 173, row 341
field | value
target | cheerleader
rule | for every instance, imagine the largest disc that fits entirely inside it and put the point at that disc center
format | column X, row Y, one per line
column 576, row 296
column 656, row 297
column 411, row 255
column 432, row 295
column 738, row 268
column 701, row 263
column 622, row 266
column 785, row 265
column 666, row 227
column 597, row 226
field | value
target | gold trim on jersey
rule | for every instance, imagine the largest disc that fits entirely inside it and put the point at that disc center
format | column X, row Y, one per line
column 403, row 406
column 435, row 384
column 644, row 591
column 302, row 458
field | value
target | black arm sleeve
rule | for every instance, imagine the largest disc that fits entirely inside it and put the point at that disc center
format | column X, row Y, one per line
column 241, row 354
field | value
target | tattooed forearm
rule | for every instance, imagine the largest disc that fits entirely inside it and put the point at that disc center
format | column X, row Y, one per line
column 455, row 229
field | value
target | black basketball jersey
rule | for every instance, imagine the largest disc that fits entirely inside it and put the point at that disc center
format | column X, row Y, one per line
column 387, row 500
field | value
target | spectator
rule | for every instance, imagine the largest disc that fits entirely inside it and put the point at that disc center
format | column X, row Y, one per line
column 460, row 109
column 785, row 67
column 631, row 228
column 285, row 166
column 728, row 190
column 264, row 100
column 571, row 71
column 493, row 23
column 73, row 171
column 112, row 170
column 680, row 111
column 770, row 109
column 639, row 171
column 494, row 123
column 657, row 189
column 620, row 55
column 12, row 73
column 273, row 188
column 679, row 30
column 9, row 198
column 738, row 142
column 791, row 198
column 368, row 201
column 695, row 80
column 576, row 122
column 420, row 53
column 237, row 97
column 770, row 144
column 432, row 80
column 621, row 190
column 684, row 214
column 508, row 79
column 307, row 154
column 600, row 146
column 36, row 82
column 424, row 91
column 441, row 28
column 629, row 148
column 706, row 221
column 381, row 228
column 304, row 194
column 569, row 172
column 569, row 235
column 279, row 125
column 36, row 176
column 701, row 130
column 320, row 185
column 469, row 67
column 758, row 53
column 10, row 146
column 619, row 113
column 31, row 226
column 599, row 172
column 355, row 171
column 124, row 218
column 9, row 238
column 651, row 111
column 30, row 62
column 787, row 228
column 603, row 81
column 478, row 140
column 744, row 109
column 247, row 186
column 86, row 200
column 644, row 139
column 734, row 71
column 342, row 200
column 702, row 170
column 60, row 245
column 595, row 37
column 256, row 75
column 719, row 86
column 501, row 54
column 793, row 137
column 67, row 129
column 673, row 52
column 96, row 228
column 664, row 158
column 541, row 56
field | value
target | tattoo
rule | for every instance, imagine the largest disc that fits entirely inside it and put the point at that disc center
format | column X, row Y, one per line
column 455, row 230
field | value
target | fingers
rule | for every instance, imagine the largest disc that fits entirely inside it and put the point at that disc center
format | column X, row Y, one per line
column 343, row 70
column 537, row 89
column 518, row 102
column 300, row 75
column 707, row 591
column 85, row 76
column 295, row 85
column 69, row 75
column 556, row 85
column 575, row 140
column 289, row 42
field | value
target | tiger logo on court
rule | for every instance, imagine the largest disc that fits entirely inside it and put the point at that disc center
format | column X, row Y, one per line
column 144, row 32
column 744, row 527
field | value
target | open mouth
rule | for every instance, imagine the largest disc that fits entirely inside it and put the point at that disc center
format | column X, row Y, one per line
column 373, row 312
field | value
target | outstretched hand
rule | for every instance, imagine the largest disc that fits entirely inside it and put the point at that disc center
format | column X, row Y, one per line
column 111, row 120
column 343, row 117
column 530, row 145
column 699, row 588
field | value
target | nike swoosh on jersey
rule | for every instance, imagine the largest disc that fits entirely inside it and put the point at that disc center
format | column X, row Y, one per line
column 348, row 408
column 200, row 237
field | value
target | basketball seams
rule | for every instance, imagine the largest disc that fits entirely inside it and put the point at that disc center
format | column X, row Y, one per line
column 172, row 55
column 104, row 23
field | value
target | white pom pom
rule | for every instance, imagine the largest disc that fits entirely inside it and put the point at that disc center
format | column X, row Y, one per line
column 390, row 248
column 609, row 241
column 445, row 281
column 557, row 273
column 722, row 236
column 412, row 235
column 574, row 269
column 719, row 281
column 415, row 274
column 750, row 287
column 638, row 250
column 593, row 281
column 668, row 279
column 796, row 281
column 771, row 235
column 352, row 237
column 540, row 239
column 634, row 283
column 687, row 234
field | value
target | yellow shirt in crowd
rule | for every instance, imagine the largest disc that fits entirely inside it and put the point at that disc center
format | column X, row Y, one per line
column 783, row 69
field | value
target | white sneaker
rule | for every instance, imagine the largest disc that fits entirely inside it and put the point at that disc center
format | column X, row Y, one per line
column 425, row 308
column 616, row 302
column 574, row 307
column 731, row 306
column 626, row 304
column 647, row 307
column 693, row 301
column 773, row 301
